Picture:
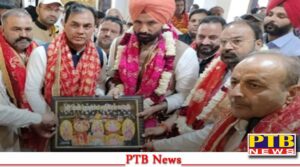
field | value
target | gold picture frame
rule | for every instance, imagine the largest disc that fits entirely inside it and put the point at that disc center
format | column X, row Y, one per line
column 98, row 124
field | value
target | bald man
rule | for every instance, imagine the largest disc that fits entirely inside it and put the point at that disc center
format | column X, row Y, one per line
column 148, row 59
column 263, row 91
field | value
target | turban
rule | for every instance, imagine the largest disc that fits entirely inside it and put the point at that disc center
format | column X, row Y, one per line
column 160, row 10
column 292, row 8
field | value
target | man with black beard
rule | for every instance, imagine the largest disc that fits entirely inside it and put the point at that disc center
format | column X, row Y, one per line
column 280, row 36
column 208, row 39
column 149, row 61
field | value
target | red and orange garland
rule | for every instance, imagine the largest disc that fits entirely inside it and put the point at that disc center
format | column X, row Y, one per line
column 204, row 97
column 74, row 81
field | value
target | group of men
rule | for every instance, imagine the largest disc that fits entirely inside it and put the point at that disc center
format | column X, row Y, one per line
column 213, row 112
column 201, row 122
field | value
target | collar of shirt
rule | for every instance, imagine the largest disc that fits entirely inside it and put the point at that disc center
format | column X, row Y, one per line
column 40, row 25
column 241, row 126
column 206, row 58
column 236, row 138
column 216, row 53
column 281, row 41
column 77, row 53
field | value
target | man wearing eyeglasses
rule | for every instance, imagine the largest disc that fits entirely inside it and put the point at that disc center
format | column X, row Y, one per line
column 48, row 12
column 237, row 42
column 204, row 106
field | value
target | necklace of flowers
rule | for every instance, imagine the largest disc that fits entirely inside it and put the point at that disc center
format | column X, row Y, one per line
column 181, row 121
column 157, row 76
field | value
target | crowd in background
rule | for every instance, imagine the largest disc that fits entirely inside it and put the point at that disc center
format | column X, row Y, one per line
column 200, row 77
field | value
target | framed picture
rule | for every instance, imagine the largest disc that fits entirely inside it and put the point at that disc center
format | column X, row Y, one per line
column 98, row 124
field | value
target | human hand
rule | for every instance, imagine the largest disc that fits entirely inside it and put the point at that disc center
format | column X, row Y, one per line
column 148, row 112
column 46, row 128
column 155, row 131
column 42, row 130
column 49, row 121
column 116, row 91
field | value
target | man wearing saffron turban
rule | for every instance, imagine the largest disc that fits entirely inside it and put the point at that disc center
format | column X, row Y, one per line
column 149, row 61
column 281, row 16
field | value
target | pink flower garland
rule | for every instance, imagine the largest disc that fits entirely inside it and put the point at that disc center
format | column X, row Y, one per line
column 128, row 69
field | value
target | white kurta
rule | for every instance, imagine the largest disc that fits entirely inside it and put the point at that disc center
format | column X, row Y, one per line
column 12, row 118
column 36, row 71
column 193, row 141
column 185, row 142
column 186, row 74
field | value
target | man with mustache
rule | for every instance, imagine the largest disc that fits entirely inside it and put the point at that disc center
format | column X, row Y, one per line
column 110, row 28
column 149, row 61
column 15, row 48
column 264, row 98
column 279, row 31
column 195, row 18
column 207, row 41
column 44, row 28
column 205, row 104
column 292, row 8
column 80, row 64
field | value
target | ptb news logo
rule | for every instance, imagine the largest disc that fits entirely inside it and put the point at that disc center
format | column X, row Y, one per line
column 272, row 144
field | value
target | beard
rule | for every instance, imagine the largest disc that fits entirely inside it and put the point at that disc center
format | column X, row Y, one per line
column 275, row 30
column 206, row 50
column 146, row 38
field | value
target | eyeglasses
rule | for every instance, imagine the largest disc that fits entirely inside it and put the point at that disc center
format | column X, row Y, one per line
column 235, row 42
